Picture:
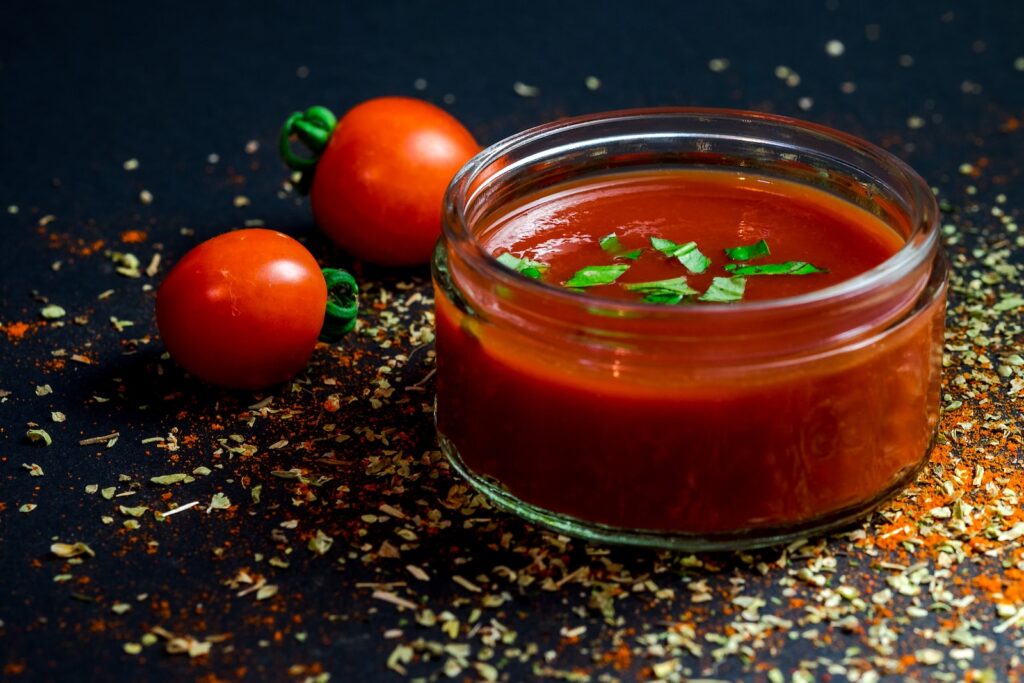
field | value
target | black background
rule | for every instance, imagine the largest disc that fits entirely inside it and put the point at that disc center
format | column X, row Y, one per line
column 86, row 86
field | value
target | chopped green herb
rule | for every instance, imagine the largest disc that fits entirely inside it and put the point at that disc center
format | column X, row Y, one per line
column 688, row 254
column 219, row 502
column 52, row 312
column 663, row 297
column 787, row 268
column 170, row 479
column 266, row 592
column 71, row 549
column 670, row 291
column 320, row 543
column 748, row 252
column 39, row 436
column 725, row 289
column 1008, row 303
column 663, row 245
column 592, row 276
column 523, row 266
column 34, row 470
column 611, row 243
column 133, row 512
column 613, row 246
column 694, row 261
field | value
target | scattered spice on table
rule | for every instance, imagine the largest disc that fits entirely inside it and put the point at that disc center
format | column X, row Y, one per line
column 322, row 511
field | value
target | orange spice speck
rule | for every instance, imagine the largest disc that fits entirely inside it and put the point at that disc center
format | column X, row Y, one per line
column 133, row 236
column 16, row 331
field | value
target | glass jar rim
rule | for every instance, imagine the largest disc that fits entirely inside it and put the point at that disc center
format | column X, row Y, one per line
column 918, row 247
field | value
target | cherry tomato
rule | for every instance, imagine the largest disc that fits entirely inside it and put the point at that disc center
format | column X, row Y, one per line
column 243, row 310
column 381, row 177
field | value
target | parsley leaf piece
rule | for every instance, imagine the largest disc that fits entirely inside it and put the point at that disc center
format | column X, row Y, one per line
column 663, row 296
column 688, row 254
column 611, row 244
column 748, row 251
column 725, row 289
column 675, row 284
column 592, row 276
column 523, row 266
column 670, row 291
column 694, row 261
column 663, row 245
column 787, row 268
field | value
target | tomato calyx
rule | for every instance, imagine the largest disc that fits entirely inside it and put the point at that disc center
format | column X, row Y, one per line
column 313, row 128
column 342, row 304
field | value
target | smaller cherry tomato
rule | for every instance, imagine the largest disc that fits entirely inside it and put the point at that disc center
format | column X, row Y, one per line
column 243, row 310
column 380, row 174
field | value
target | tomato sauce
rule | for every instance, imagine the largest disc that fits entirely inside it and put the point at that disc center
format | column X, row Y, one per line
column 664, row 444
column 717, row 210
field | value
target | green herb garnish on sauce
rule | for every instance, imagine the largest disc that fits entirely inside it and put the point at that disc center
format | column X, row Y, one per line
column 787, row 268
column 611, row 244
column 523, row 266
column 670, row 291
column 592, row 276
column 688, row 254
column 725, row 289
column 748, row 251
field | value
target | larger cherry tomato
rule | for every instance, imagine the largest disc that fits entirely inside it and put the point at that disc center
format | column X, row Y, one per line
column 381, row 174
column 244, row 309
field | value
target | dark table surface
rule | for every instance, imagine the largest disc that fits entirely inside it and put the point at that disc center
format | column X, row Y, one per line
column 422, row 580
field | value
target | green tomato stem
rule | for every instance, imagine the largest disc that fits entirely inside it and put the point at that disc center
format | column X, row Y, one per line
column 313, row 128
column 342, row 304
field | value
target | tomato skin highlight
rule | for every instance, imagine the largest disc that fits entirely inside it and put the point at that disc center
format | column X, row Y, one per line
column 379, row 184
column 243, row 310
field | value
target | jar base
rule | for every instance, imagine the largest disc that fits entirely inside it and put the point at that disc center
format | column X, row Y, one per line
column 743, row 539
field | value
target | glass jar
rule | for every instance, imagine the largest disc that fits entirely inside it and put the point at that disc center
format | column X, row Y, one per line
column 711, row 426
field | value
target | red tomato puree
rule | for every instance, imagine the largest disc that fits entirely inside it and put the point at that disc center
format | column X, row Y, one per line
column 688, row 447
